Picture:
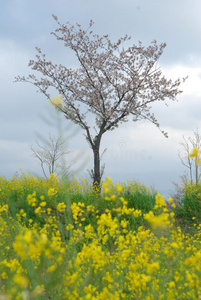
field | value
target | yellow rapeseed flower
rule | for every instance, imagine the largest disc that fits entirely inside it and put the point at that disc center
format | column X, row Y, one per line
column 37, row 210
column 174, row 245
column 124, row 223
column 157, row 222
column 195, row 153
column 113, row 197
column 170, row 200
column 119, row 188
column 51, row 192
column 39, row 289
column 56, row 101
column 4, row 275
column 61, row 207
column 28, row 236
column 171, row 284
column 151, row 268
column 52, row 268
column 4, row 208
column 108, row 180
column 105, row 188
column 137, row 213
column 69, row 227
column 160, row 201
column 21, row 281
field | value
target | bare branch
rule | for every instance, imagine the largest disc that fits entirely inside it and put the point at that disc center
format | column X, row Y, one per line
column 188, row 145
column 49, row 155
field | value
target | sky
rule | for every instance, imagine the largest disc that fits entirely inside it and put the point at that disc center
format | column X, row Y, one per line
column 135, row 150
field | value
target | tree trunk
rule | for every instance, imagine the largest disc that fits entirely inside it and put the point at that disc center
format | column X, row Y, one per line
column 97, row 172
column 97, row 177
column 196, row 173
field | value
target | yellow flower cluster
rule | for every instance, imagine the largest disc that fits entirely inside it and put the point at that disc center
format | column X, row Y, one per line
column 77, row 210
column 4, row 208
column 61, row 207
column 157, row 222
column 160, row 201
column 51, row 192
column 29, row 244
column 31, row 199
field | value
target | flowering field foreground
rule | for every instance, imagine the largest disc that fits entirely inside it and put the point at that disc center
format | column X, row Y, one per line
column 54, row 246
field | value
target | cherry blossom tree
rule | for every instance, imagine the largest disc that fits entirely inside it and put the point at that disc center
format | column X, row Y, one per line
column 110, row 82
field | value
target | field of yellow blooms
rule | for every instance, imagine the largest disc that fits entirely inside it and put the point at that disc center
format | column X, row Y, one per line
column 62, row 240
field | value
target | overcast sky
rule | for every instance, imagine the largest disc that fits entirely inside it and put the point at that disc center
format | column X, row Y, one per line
column 134, row 150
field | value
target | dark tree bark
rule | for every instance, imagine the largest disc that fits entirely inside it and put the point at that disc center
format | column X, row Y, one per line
column 97, row 168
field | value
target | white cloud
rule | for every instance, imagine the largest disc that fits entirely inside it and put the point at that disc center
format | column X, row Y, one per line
column 192, row 84
column 14, row 155
column 13, row 57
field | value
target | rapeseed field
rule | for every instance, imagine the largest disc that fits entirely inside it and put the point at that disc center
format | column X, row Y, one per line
column 60, row 239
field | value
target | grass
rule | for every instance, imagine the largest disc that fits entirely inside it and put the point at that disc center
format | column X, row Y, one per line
column 62, row 240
